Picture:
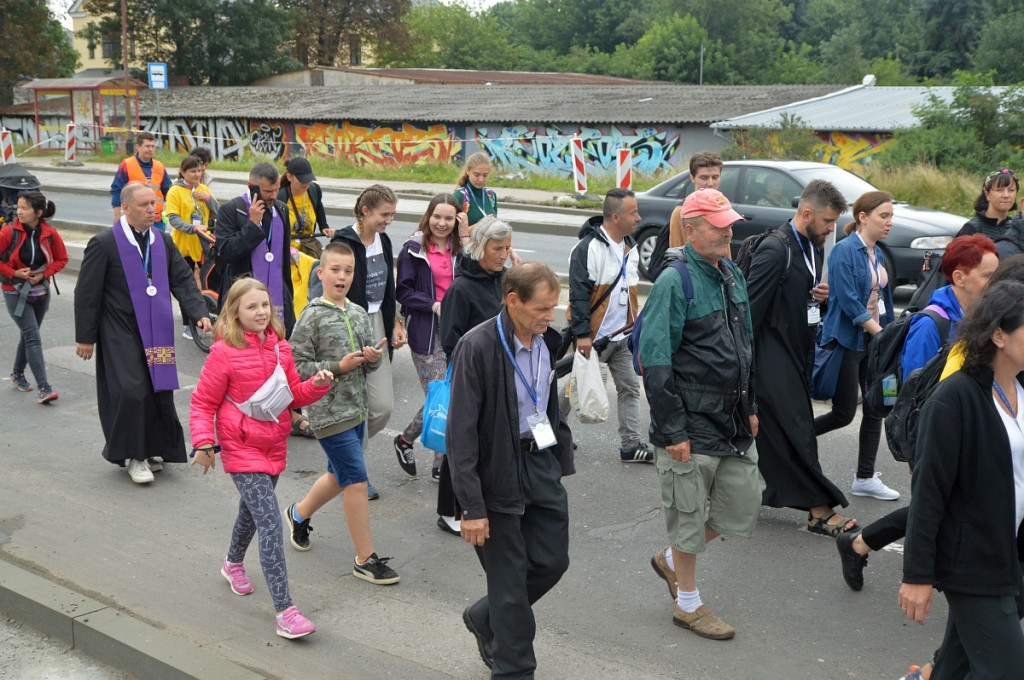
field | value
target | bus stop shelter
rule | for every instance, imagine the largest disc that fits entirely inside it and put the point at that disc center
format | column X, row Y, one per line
column 99, row 107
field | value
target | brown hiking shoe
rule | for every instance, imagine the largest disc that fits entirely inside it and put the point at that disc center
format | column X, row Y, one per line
column 704, row 623
column 660, row 565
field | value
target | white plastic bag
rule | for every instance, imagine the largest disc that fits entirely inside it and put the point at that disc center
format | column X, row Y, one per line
column 586, row 389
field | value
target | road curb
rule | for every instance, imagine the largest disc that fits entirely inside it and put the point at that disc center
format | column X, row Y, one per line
column 107, row 634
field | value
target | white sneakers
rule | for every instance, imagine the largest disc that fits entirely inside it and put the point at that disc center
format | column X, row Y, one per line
column 872, row 487
column 139, row 471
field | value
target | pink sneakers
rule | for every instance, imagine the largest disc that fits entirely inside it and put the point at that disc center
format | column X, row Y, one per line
column 234, row 572
column 292, row 624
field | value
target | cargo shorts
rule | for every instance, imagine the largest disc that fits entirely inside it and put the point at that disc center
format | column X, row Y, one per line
column 722, row 493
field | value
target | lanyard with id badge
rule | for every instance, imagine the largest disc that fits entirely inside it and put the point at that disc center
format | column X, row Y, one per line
column 813, row 307
column 878, row 277
column 540, row 426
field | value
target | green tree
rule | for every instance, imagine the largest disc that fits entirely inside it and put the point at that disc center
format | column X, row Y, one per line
column 328, row 27
column 215, row 42
column 1001, row 31
column 45, row 51
column 671, row 50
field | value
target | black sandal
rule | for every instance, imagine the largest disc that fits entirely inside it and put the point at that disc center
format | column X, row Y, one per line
column 301, row 428
column 820, row 525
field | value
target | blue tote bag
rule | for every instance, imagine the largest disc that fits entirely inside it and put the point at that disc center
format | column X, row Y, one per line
column 435, row 413
column 826, row 370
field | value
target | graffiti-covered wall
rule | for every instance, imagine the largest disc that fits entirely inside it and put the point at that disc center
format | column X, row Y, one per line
column 848, row 149
column 541, row 148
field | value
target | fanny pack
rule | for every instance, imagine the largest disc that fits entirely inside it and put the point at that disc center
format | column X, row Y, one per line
column 271, row 399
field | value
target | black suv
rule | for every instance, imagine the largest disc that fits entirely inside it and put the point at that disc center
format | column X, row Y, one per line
column 766, row 194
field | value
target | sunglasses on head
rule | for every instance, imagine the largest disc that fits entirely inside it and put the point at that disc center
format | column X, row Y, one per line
column 998, row 173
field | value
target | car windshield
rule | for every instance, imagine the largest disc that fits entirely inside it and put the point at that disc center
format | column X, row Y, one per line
column 849, row 185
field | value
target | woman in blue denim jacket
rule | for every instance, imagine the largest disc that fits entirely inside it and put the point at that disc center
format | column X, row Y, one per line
column 859, row 306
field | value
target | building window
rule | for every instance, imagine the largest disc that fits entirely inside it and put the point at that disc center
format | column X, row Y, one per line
column 355, row 51
column 112, row 45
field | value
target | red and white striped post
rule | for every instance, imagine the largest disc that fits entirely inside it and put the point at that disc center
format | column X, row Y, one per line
column 69, row 143
column 579, row 168
column 6, row 146
column 624, row 168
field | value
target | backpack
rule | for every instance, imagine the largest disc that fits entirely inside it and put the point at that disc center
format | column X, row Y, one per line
column 902, row 422
column 633, row 341
column 885, row 355
column 931, row 280
column 750, row 245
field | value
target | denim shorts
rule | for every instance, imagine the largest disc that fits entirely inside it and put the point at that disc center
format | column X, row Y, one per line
column 345, row 455
column 722, row 493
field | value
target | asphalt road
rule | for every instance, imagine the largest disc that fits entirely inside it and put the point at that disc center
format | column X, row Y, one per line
column 552, row 249
column 155, row 551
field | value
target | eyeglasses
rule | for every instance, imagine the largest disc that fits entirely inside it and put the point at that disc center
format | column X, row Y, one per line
column 998, row 173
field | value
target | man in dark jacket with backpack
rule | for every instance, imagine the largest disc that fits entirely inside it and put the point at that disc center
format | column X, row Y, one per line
column 785, row 284
column 603, row 282
column 696, row 349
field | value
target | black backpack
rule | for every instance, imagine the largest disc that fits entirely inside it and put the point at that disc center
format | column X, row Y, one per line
column 932, row 278
column 902, row 422
column 886, row 350
column 752, row 243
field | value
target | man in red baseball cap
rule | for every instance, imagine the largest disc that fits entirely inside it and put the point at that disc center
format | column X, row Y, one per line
column 696, row 349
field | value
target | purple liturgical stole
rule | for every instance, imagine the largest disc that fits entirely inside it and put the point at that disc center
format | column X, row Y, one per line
column 152, row 312
column 268, row 272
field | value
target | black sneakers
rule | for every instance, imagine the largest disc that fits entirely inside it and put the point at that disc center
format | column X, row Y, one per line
column 299, row 533
column 641, row 453
column 405, row 455
column 376, row 570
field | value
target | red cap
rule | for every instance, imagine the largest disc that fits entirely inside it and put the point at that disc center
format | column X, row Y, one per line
column 713, row 206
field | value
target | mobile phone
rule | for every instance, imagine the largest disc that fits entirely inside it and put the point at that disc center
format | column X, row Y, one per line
column 377, row 346
column 254, row 194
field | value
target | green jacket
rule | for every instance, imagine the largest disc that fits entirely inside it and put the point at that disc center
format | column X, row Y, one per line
column 698, row 357
column 323, row 335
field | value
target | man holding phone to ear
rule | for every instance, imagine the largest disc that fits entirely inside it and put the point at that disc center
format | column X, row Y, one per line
column 253, row 237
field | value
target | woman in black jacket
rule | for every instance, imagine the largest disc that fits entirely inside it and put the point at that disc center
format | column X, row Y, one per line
column 473, row 297
column 968, row 497
column 993, row 206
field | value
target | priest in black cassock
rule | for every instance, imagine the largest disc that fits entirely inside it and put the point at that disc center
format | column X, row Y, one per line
column 123, row 310
column 785, row 312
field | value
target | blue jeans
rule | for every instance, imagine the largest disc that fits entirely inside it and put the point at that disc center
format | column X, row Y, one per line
column 30, row 345
column 345, row 455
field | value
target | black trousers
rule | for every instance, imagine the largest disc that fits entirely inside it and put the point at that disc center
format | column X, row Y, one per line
column 447, row 504
column 524, row 558
column 885, row 530
column 844, row 407
column 983, row 640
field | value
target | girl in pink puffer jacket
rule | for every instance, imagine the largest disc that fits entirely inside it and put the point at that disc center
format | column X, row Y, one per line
column 246, row 386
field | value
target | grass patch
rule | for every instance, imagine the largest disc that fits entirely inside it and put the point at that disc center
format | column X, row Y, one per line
column 926, row 186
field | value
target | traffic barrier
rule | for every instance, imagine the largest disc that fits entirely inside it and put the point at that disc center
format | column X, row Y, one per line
column 6, row 146
column 624, row 168
column 579, row 168
column 69, row 143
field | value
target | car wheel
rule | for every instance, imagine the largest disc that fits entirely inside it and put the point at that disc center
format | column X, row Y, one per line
column 645, row 243
column 890, row 268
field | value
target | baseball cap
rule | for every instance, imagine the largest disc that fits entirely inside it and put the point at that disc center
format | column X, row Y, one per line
column 713, row 206
column 299, row 168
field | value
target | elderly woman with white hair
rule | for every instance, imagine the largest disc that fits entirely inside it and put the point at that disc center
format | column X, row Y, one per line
column 473, row 297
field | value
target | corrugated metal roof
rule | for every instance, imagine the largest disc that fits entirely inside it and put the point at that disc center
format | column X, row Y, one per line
column 859, row 108
column 608, row 104
column 445, row 76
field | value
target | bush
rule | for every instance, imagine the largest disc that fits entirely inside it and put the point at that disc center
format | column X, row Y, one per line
column 926, row 186
column 791, row 140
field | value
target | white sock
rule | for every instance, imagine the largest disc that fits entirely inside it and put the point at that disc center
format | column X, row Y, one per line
column 668, row 559
column 689, row 602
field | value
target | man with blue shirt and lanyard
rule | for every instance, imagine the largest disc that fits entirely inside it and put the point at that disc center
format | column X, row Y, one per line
column 508, row 449
column 784, row 307
column 603, row 282
column 254, row 239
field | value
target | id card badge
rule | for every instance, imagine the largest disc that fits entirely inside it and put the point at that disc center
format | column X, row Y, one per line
column 541, row 429
column 197, row 219
column 813, row 313
column 623, row 296
column 881, row 306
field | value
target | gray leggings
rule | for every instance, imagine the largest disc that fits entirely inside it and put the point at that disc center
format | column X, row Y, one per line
column 30, row 345
column 258, row 511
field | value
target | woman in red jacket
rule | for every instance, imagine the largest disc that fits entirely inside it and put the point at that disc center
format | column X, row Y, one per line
column 31, row 251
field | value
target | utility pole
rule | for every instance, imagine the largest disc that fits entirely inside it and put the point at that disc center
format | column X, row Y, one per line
column 124, row 62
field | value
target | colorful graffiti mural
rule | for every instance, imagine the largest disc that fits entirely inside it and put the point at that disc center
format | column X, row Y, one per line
column 226, row 138
column 379, row 144
column 546, row 148
column 849, row 149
